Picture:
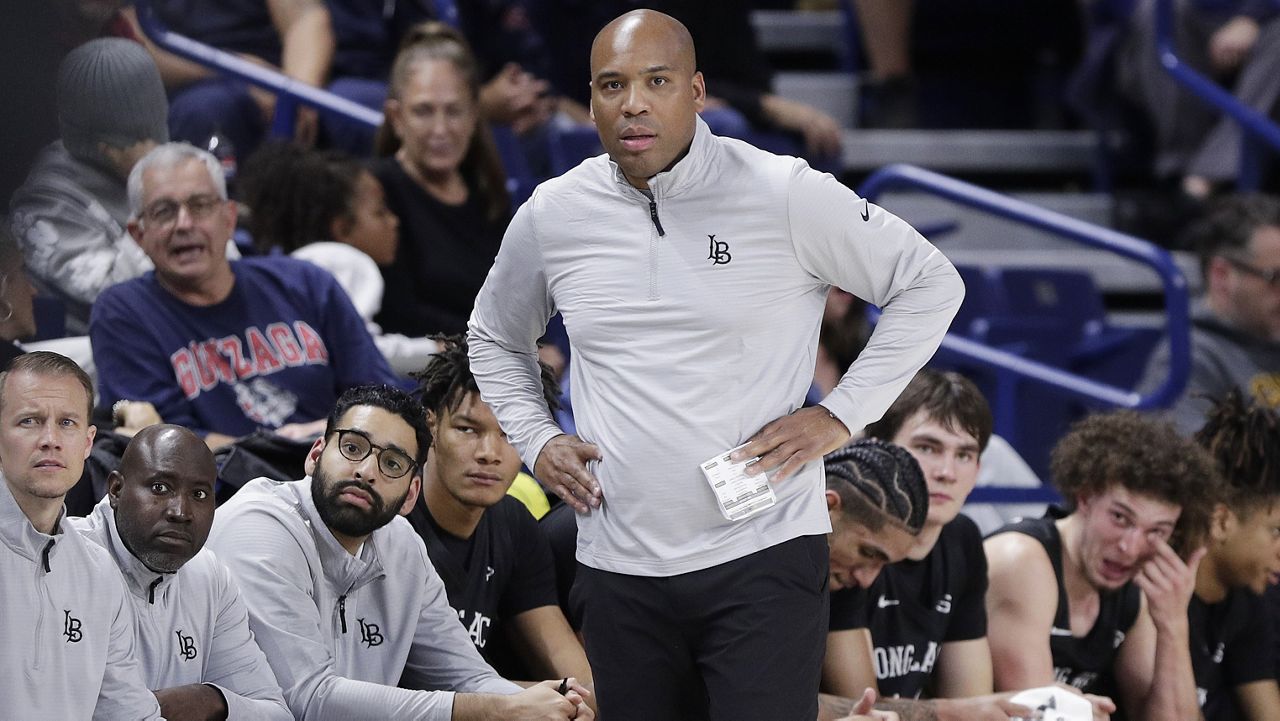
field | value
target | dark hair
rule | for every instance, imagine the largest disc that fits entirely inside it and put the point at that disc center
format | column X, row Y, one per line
column 10, row 253
column 391, row 399
column 948, row 398
column 48, row 363
column 294, row 194
column 1142, row 455
column 878, row 482
column 447, row 379
column 1244, row 440
column 481, row 166
column 1230, row 225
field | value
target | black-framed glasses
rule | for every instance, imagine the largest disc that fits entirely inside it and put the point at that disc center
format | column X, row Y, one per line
column 165, row 212
column 355, row 446
column 1269, row 276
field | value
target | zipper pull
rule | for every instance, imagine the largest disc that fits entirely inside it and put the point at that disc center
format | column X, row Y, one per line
column 653, row 215
column 342, row 611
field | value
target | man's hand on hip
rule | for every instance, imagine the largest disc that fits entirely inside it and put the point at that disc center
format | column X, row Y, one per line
column 791, row 441
column 562, row 467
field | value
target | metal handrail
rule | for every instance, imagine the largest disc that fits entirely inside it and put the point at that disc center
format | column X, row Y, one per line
column 1256, row 126
column 1019, row 211
column 289, row 92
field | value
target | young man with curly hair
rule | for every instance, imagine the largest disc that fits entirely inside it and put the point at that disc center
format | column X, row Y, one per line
column 1097, row 597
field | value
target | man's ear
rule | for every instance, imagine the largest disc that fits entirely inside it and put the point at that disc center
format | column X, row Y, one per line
column 313, row 456
column 411, row 498
column 115, row 484
column 1222, row 523
column 699, row 90
column 833, row 501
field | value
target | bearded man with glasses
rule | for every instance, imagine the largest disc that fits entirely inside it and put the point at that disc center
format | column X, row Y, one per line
column 222, row 347
column 1235, row 336
column 341, row 594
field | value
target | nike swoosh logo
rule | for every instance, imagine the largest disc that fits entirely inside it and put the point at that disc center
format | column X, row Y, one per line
column 866, row 210
column 1055, row 631
column 885, row 602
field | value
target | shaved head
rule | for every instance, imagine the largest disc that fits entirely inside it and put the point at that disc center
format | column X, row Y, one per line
column 153, row 444
column 648, row 28
column 646, row 93
column 163, row 496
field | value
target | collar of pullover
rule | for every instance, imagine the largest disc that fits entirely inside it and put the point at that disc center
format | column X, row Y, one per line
column 19, row 535
column 142, row 581
column 343, row 571
column 695, row 167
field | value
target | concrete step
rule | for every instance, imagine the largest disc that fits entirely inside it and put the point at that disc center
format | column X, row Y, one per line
column 973, row 151
column 986, row 240
column 836, row 94
column 792, row 31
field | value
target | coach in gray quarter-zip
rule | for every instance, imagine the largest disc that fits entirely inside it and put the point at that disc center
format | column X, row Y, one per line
column 66, row 630
column 341, row 594
column 193, row 635
column 691, row 272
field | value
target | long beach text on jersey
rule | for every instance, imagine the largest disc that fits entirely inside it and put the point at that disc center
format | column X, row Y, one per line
column 1081, row 680
column 202, row 365
column 894, row 661
column 477, row 628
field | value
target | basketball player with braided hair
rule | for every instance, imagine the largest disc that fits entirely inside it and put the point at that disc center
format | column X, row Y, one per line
column 921, row 627
column 878, row 501
column 1231, row 629
column 1097, row 597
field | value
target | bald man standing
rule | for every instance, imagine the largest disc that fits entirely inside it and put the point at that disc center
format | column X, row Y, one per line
column 193, row 639
column 692, row 271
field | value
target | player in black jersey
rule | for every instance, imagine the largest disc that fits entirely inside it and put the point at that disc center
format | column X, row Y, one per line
column 1232, row 637
column 1063, row 602
column 921, row 627
column 494, row 559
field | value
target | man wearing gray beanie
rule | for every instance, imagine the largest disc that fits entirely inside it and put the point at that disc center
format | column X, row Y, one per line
column 70, row 214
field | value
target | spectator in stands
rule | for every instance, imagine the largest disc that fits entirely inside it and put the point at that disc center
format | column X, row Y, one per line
column 494, row 559
column 1232, row 635
column 885, row 30
column 17, row 315
column 291, row 36
column 71, row 213
column 1235, row 336
column 67, row 629
column 740, row 97
column 1097, row 598
column 923, row 623
column 341, row 593
column 510, row 53
column 218, row 346
column 444, row 181
column 196, row 650
column 1236, row 42
column 328, row 209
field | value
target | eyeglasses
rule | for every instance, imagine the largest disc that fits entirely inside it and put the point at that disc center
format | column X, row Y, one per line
column 1269, row 276
column 355, row 446
column 164, row 213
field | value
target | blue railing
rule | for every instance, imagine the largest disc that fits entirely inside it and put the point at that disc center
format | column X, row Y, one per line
column 289, row 92
column 1258, row 128
column 1071, row 384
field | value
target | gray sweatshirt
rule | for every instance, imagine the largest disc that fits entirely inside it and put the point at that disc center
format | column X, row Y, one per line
column 1222, row 358
column 341, row 631
column 191, row 626
column 693, row 319
column 66, row 631
column 69, row 217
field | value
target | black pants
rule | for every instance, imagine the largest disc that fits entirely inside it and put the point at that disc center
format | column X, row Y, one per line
column 741, row 641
